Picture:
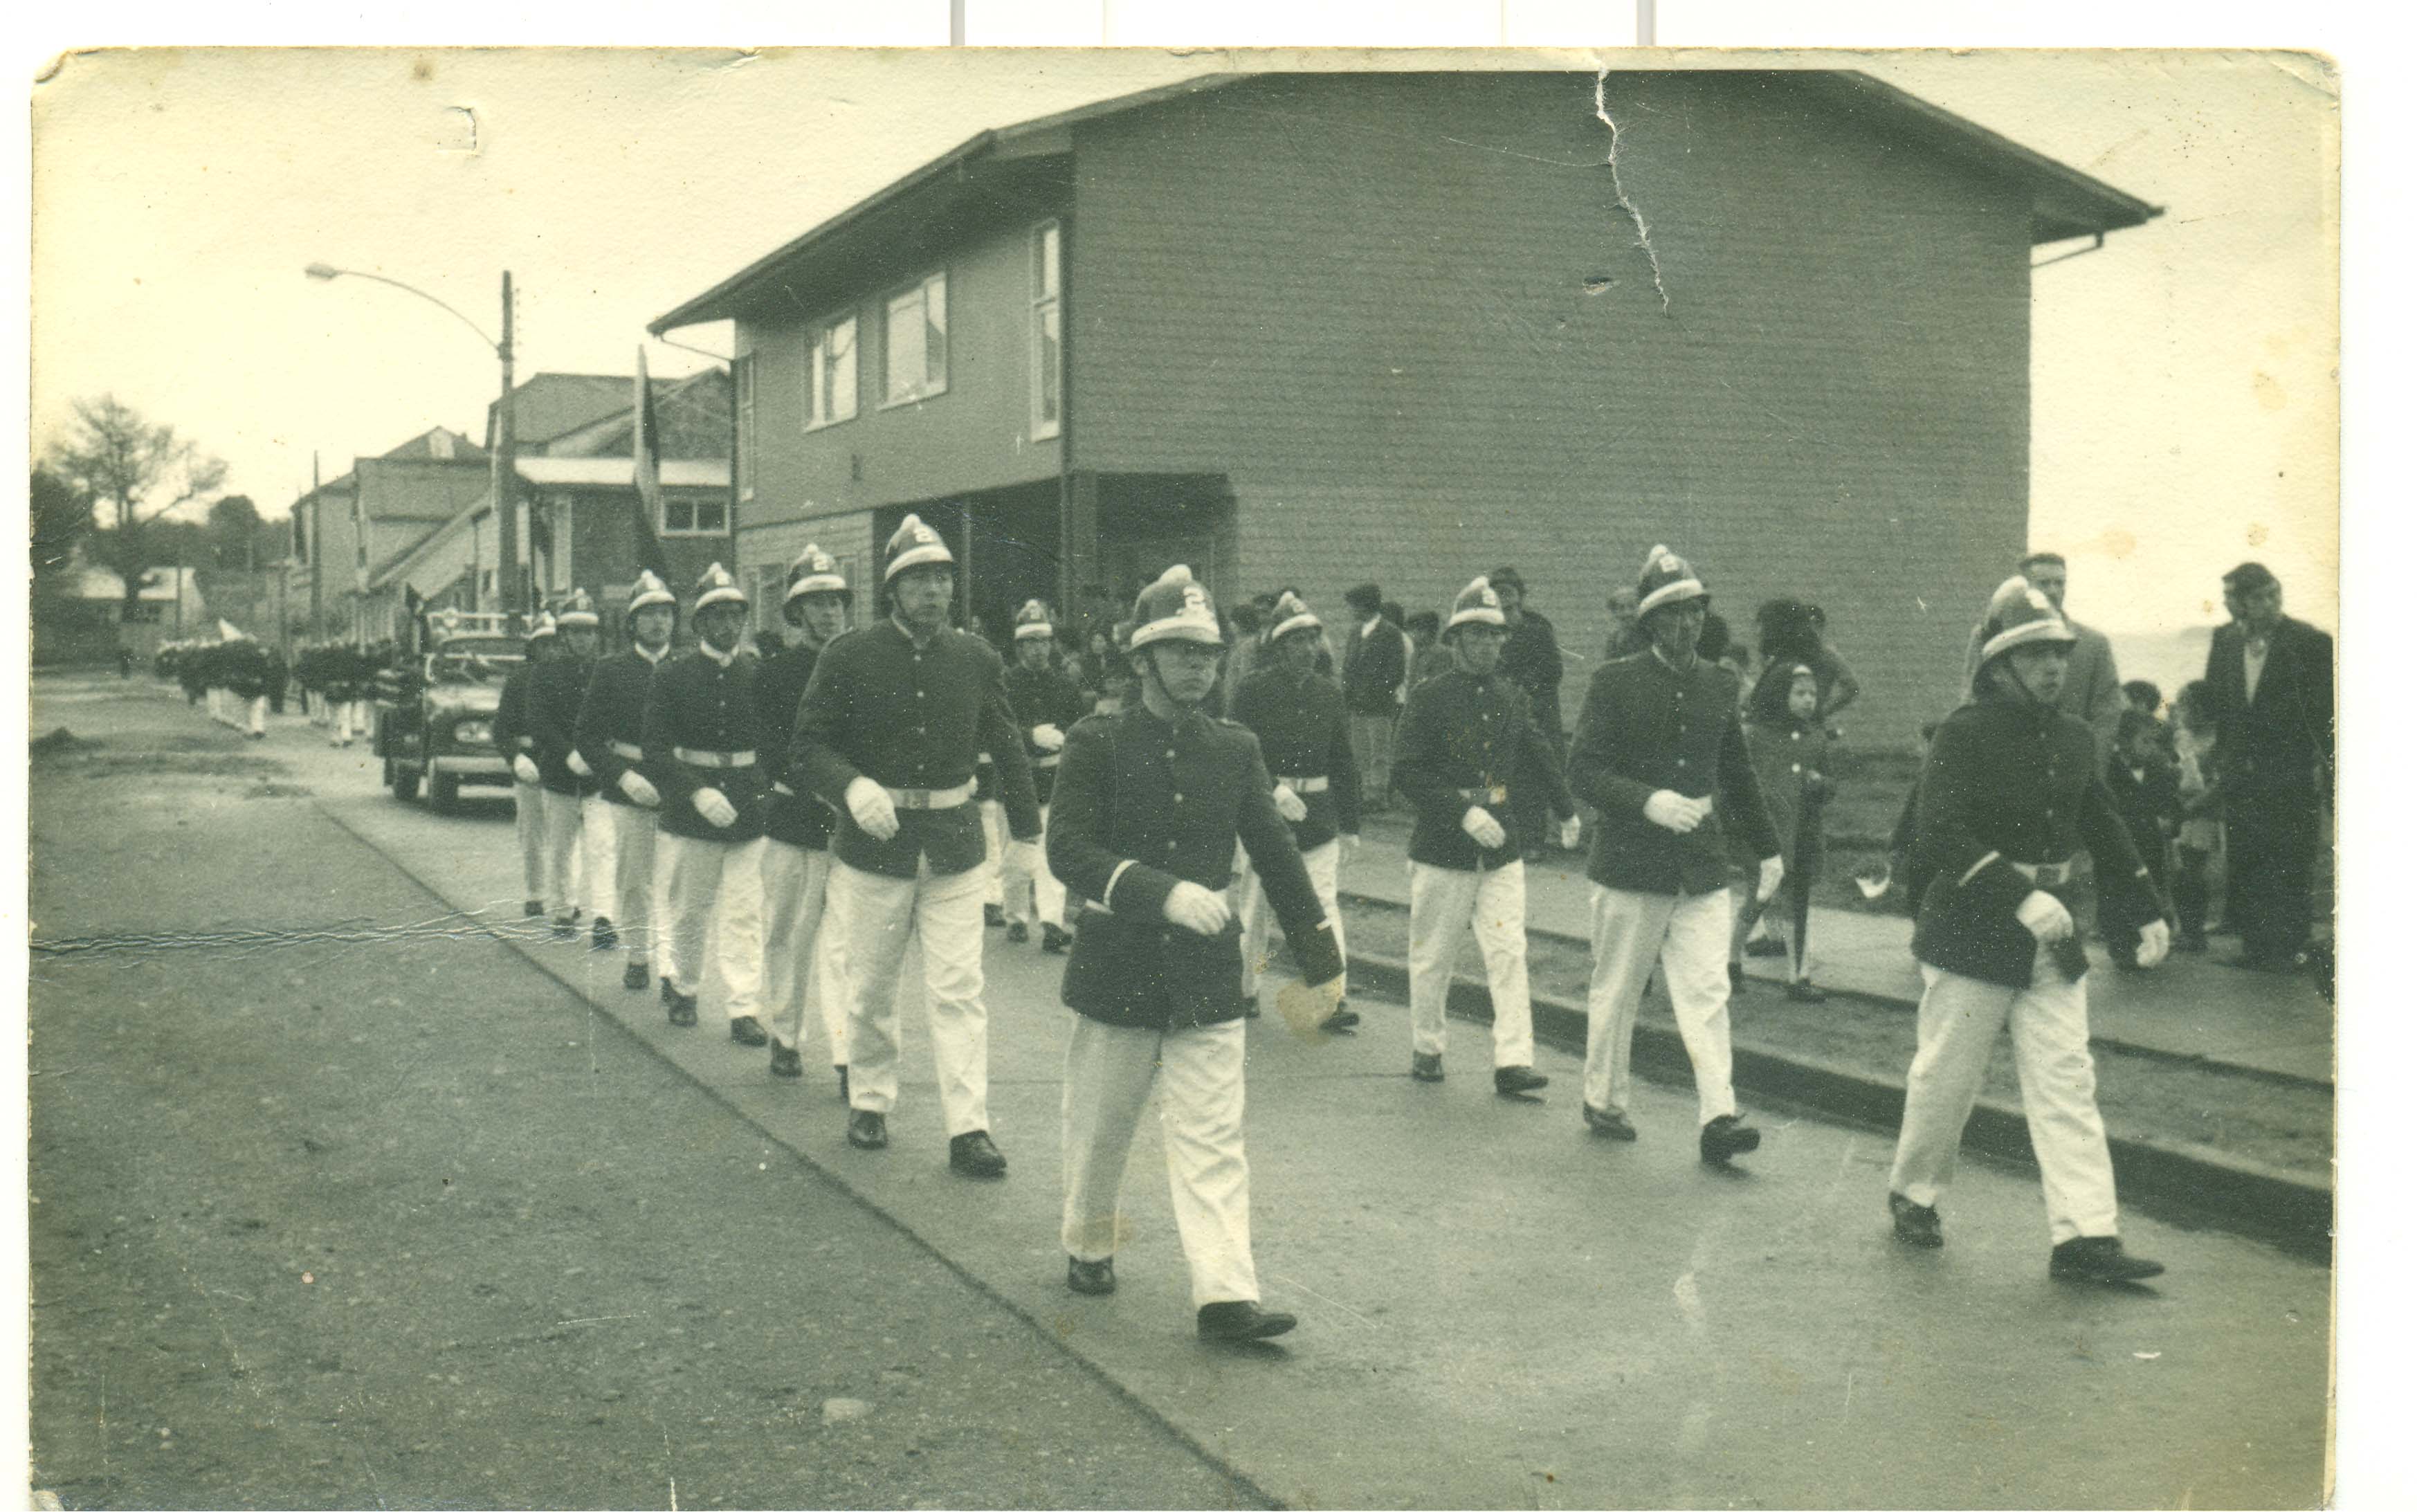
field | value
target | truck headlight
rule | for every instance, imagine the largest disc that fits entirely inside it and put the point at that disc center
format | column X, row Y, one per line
column 473, row 732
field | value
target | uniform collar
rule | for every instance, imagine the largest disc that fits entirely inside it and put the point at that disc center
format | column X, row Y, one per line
column 650, row 658
column 720, row 659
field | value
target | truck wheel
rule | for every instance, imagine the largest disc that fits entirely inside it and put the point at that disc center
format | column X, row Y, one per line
column 403, row 780
column 444, row 792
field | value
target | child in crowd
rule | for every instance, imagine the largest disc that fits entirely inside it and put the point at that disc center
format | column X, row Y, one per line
column 2201, row 832
column 2149, row 801
column 1788, row 745
column 2149, row 699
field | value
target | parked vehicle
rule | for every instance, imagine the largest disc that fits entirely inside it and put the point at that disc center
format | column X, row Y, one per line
column 436, row 719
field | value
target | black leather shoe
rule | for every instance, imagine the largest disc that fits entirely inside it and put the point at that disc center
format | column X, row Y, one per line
column 1017, row 934
column 1517, row 1082
column 1250, row 1005
column 1054, row 941
column 1803, row 990
column 1342, row 1021
column 746, row 1031
column 602, row 936
column 532, row 908
column 1727, row 1136
column 1232, row 1320
column 1736, row 977
column 683, row 1008
column 994, row 917
column 786, row 1064
column 868, row 1131
column 1425, row 1067
column 1766, row 945
column 566, row 929
column 1604, row 1125
column 843, row 1082
column 2099, row 1257
column 635, row 975
column 1916, row 1224
column 1092, row 1278
column 973, row 1154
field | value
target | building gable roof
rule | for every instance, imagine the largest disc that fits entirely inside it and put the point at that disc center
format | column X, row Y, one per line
column 2065, row 202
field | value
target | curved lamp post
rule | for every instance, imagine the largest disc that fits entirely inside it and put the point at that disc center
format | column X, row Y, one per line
column 507, row 478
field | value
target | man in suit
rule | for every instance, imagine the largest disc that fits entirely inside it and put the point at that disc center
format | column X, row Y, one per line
column 2094, row 690
column 1374, row 670
column 2271, row 678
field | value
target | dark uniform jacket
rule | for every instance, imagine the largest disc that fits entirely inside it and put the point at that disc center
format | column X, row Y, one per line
column 510, row 724
column 2009, row 780
column 911, row 717
column 555, row 690
column 697, row 703
column 1646, row 727
column 1373, row 665
column 1463, row 736
column 796, row 817
column 1046, row 697
column 1141, row 805
column 613, row 713
column 1304, row 732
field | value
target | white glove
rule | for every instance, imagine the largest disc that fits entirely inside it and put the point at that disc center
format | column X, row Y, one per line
column 1026, row 854
column 1774, row 868
column 1351, row 843
column 579, row 766
column 524, row 769
column 1194, row 907
column 715, row 808
column 1571, row 833
column 1483, row 828
column 1288, row 803
column 2044, row 916
column 2155, row 939
column 868, row 805
column 1049, row 737
column 640, row 791
column 1679, row 815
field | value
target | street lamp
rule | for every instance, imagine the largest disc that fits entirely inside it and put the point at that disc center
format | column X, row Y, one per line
column 507, row 478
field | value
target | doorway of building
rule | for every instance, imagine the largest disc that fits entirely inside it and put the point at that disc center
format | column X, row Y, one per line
column 1006, row 542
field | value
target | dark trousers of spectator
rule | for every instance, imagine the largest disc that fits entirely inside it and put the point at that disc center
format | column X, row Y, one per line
column 2271, row 837
column 2190, row 893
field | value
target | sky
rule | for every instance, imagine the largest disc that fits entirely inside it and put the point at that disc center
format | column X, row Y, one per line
column 2183, row 411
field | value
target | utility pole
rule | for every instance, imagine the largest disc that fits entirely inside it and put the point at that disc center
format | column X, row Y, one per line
column 507, row 520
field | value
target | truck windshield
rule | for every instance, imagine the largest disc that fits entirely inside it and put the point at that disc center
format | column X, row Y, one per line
column 475, row 659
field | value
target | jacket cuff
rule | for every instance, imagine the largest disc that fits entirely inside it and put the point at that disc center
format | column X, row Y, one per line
column 1137, row 891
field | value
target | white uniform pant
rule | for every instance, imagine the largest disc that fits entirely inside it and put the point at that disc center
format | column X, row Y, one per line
column 718, row 920
column 1258, row 915
column 994, row 861
column 528, row 828
column 1109, row 1070
column 1690, row 936
column 1030, row 888
column 869, row 916
column 568, row 867
column 1954, row 1032
column 631, row 902
column 1445, row 900
column 796, row 883
column 259, row 712
column 352, row 718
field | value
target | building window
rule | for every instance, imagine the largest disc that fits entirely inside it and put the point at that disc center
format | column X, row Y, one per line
column 1047, row 346
column 695, row 515
column 830, row 372
column 915, row 351
column 743, row 378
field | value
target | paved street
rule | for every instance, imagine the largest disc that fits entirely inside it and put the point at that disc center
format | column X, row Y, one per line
column 560, row 1253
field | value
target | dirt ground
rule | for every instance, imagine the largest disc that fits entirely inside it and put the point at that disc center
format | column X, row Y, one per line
column 338, row 1203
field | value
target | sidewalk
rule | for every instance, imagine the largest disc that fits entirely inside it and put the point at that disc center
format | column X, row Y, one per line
column 2191, row 1006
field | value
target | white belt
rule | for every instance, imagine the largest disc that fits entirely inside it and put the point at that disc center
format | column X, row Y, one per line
column 526, row 743
column 1303, row 785
column 713, row 759
column 627, row 752
column 1041, row 761
column 931, row 797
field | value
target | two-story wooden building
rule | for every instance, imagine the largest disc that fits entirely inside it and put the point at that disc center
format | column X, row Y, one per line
column 1317, row 329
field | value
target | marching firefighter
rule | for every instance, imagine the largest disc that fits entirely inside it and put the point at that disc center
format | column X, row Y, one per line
column 512, row 736
column 2009, row 797
column 704, row 740
column 554, row 691
column 609, row 734
column 890, row 726
column 1305, row 738
column 1151, row 801
column 1046, row 704
column 797, row 863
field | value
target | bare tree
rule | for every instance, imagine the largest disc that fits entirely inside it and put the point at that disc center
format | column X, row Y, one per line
column 133, row 471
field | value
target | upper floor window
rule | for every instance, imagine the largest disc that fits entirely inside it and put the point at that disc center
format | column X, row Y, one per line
column 1047, row 344
column 830, row 372
column 695, row 515
column 915, row 347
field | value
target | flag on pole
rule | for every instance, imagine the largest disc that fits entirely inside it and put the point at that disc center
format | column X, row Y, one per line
column 646, row 445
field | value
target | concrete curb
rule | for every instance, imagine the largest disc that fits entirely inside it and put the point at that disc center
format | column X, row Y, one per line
column 2191, row 1183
